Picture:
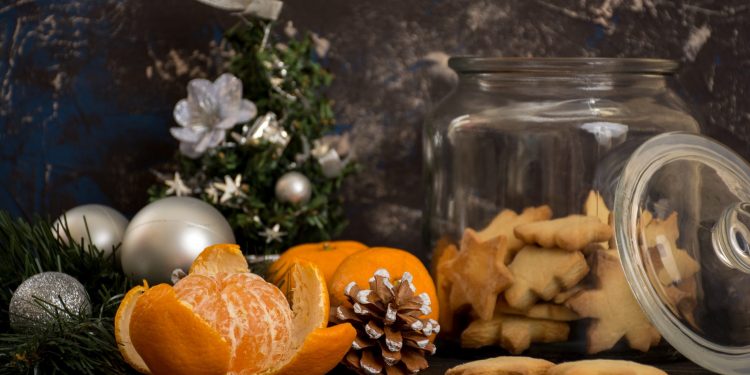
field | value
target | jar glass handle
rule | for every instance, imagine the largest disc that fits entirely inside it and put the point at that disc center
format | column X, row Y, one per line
column 731, row 236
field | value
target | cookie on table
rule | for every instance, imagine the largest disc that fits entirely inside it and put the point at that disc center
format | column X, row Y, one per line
column 603, row 367
column 503, row 366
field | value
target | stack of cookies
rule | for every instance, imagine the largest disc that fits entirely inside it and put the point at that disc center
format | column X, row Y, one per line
column 527, row 277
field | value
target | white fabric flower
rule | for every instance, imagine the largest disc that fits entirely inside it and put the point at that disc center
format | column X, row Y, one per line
column 208, row 112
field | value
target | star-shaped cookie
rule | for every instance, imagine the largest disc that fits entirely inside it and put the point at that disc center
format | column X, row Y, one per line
column 615, row 312
column 478, row 273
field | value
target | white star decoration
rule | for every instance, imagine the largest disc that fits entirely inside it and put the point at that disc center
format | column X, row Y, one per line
column 272, row 234
column 212, row 193
column 177, row 186
column 230, row 188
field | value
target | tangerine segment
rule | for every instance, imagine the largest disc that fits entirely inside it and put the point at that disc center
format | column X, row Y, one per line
column 309, row 300
column 360, row 267
column 321, row 351
column 172, row 339
column 326, row 255
column 220, row 258
column 252, row 315
column 122, row 329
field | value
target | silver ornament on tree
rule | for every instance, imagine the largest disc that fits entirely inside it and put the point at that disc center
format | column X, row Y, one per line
column 294, row 188
column 265, row 129
column 45, row 297
column 169, row 234
column 102, row 226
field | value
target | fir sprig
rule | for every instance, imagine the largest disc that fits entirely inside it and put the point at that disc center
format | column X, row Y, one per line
column 296, row 97
column 82, row 345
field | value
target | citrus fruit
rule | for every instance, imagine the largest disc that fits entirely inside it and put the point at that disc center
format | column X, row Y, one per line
column 172, row 339
column 310, row 359
column 244, row 309
column 359, row 267
column 223, row 319
column 326, row 255
column 317, row 349
column 226, row 258
column 122, row 328
column 309, row 297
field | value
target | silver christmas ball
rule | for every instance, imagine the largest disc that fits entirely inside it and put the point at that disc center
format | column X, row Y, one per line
column 31, row 306
column 293, row 187
column 106, row 226
column 169, row 234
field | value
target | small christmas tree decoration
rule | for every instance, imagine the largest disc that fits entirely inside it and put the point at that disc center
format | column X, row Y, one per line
column 43, row 298
column 392, row 337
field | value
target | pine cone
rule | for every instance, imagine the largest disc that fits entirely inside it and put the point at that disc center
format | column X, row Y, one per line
column 391, row 337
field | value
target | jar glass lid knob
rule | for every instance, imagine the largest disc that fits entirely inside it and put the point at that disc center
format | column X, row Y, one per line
column 731, row 237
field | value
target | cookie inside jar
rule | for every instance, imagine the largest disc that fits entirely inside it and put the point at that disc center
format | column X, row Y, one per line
column 532, row 279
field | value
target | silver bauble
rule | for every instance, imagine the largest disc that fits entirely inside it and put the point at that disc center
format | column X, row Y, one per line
column 106, row 226
column 31, row 306
column 293, row 187
column 169, row 234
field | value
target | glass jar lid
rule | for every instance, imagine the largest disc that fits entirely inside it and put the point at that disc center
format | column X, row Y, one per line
column 682, row 227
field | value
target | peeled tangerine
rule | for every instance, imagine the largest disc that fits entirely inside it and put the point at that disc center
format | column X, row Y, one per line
column 222, row 319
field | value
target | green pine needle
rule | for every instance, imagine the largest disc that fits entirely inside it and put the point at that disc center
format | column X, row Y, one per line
column 82, row 345
column 309, row 117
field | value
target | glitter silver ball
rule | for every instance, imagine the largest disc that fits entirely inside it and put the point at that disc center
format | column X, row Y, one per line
column 169, row 234
column 106, row 226
column 293, row 187
column 31, row 306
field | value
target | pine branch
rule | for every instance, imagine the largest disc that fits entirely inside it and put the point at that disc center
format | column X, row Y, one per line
column 83, row 345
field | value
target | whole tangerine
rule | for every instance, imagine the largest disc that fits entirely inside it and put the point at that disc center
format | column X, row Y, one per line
column 359, row 267
column 326, row 255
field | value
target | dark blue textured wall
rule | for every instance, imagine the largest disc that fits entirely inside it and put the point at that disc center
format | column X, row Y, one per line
column 87, row 87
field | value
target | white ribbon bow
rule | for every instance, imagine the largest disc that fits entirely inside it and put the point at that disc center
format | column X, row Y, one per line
column 267, row 9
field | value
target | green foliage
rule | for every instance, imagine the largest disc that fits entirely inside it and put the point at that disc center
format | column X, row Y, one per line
column 304, row 113
column 85, row 345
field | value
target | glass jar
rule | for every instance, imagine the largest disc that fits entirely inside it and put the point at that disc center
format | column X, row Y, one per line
column 573, row 207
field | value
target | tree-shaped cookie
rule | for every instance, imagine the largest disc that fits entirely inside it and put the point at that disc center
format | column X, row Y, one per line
column 615, row 312
column 543, row 273
column 478, row 273
column 504, row 223
column 571, row 233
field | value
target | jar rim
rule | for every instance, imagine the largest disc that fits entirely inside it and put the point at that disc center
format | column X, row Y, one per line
column 479, row 64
